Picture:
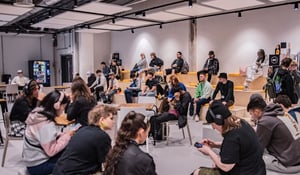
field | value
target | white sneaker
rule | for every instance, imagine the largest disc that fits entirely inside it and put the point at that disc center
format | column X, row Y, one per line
column 197, row 118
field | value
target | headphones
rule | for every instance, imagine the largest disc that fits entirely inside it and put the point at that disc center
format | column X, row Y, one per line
column 57, row 104
column 218, row 119
column 28, row 87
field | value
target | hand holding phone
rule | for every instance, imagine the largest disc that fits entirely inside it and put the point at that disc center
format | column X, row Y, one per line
column 198, row 145
column 75, row 127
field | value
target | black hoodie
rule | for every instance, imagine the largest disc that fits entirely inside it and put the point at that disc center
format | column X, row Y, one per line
column 287, row 84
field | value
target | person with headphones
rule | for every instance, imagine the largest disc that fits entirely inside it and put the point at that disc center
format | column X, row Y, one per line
column 22, row 107
column 240, row 150
column 43, row 140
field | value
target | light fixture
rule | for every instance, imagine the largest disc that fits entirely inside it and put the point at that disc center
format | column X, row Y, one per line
column 75, row 4
column 193, row 21
column 191, row 3
column 239, row 14
column 296, row 6
column 160, row 26
column 132, row 31
column 113, row 20
column 143, row 13
column 49, row 14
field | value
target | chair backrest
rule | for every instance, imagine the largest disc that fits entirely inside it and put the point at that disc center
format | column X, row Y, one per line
column 6, row 122
column 12, row 89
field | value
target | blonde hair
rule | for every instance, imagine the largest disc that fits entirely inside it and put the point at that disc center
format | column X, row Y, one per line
column 100, row 111
column 230, row 123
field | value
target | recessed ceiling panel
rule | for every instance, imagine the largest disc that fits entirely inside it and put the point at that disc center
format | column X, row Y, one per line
column 111, row 27
column 195, row 10
column 7, row 17
column 103, row 8
column 132, row 23
column 91, row 31
column 2, row 23
column 78, row 16
column 49, row 25
column 277, row 0
column 10, row 9
column 163, row 16
column 55, row 20
column 232, row 4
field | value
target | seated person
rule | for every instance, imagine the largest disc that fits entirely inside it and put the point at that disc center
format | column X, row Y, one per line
column 105, row 71
column 44, row 141
column 112, row 89
column 126, row 157
column 91, row 77
column 173, row 81
column 176, row 65
column 225, row 87
column 240, row 150
column 87, row 158
column 20, row 79
column 211, row 66
column 22, row 107
column 141, row 65
column 115, row 69
column 155, row 63
column 202, row 96
column 150, row 85
column 81, row 102
column 179, row 108
column 278, row 133
column 133, row 89
column 99, row 84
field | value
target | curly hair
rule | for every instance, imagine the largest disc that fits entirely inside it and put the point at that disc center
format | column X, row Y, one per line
column 80, row 89
column 128, row 131
column 100, row 111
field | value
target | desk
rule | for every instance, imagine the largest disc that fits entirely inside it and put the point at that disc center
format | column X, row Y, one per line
column 62, row 120
column 60, row 88
column 147, row 106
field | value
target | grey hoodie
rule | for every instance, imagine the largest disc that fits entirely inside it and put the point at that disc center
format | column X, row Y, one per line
column 275, row 136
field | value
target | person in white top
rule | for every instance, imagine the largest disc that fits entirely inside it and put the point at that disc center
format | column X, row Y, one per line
column 99, row 84
column 20, row 79
column 113, row 88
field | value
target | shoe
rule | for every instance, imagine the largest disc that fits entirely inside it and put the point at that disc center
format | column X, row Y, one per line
column 197, row 118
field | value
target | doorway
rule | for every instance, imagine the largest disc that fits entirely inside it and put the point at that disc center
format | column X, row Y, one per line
column 66, row 68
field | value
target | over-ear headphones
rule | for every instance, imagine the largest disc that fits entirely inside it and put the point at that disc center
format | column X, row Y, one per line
column 28, row 88
column 217, row 118
column 57, row 104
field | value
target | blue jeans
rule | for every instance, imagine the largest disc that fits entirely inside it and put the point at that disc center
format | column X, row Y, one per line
column 199, row 103
column 46, row 167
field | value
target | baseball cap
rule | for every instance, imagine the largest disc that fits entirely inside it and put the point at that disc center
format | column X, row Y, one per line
column 217, row 112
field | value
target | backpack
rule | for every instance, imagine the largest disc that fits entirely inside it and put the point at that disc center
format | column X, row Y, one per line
column 185, row 67
column 273, row 86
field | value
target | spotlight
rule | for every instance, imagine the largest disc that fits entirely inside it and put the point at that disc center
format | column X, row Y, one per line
column 160, row 26
column 132, row 31
column 49, row 14
column 191, row 3
column 193, row 21
column 75, row 4
column 143, row 13
column 296, row 6
column 239, row 14
column 113, row 20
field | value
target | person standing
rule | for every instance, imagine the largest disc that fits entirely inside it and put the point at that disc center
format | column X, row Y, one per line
column 225, row 87
column 211, row 66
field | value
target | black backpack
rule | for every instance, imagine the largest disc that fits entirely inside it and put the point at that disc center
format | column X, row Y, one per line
column 185, row 67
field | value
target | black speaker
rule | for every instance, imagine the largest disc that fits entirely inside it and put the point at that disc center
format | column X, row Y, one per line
column 274, row 60
column 116, row 56
column 5, row 78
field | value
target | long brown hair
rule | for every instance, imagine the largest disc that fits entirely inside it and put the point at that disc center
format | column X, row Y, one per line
column 174, row 80
column 230, row 123
column 80, row 89
column 127, row 132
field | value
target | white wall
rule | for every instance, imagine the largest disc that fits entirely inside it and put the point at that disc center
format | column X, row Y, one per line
column 236, row 40
column 17, row 50
column 102, row 49
column 164, row 42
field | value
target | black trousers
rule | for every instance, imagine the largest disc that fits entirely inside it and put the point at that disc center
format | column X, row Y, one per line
column 156, row 121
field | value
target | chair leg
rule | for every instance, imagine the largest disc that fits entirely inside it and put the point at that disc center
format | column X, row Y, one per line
column 4, row 151
column 168, row 132
column 189, row 133
column 183, row 133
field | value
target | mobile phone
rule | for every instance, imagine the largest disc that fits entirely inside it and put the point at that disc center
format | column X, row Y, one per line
column 198, row 145
column 75, row 127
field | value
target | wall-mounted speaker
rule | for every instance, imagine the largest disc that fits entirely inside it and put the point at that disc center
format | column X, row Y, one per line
column 274, row 60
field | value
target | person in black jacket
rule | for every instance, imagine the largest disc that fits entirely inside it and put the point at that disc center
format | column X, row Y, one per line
column 88, row 148
column 155, row 63
column 178, row 112
column 22, row 107
column 176, row 65
column 225, row 86
column 126, row 157
column 211, row 65
column 81, row 102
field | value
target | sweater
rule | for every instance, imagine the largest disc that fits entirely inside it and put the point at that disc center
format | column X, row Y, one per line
column 204, row 90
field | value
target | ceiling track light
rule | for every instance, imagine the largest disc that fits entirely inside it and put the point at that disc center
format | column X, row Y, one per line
column 239, row 14
column 143, row 13
column 132, row 31
column 113, row 20
column 193, row 21
column 296, row 6
column 191, row 3
column 160, row 26
column 75, row 4
column 49, row 14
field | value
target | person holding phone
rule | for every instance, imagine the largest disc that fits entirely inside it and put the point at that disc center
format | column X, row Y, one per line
column 89, row 146
column 240, row 150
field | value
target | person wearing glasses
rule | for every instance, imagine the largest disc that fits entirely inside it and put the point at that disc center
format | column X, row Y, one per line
column 89, row 146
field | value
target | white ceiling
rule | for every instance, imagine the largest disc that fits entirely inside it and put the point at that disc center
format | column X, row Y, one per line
column 103, row 8
column 132, row 23
column 78, row 16
column 195, row 10
column 13, row 10
column 4, row 17
column 91, row 31
column 163, row 16
column 110, row 27
column 232, row 4
column 2, row 23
